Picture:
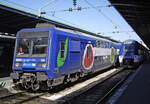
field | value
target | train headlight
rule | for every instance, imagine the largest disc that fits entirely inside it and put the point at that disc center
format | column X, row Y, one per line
column 44, row 65
column 41, row 65
column 18, row 65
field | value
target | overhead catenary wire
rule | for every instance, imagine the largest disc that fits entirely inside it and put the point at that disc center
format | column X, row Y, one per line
column 91, row 6
column 95, row 7
column 100, row 12
column 40, row 13
column 36, row 11
column 114, row 32
column 106, row 15
column 68, row 22
column 77, row 8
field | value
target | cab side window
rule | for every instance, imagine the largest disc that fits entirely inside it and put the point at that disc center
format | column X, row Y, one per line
column 96, row 43
column 102, row 44
column 99, row 44
column 62, row 49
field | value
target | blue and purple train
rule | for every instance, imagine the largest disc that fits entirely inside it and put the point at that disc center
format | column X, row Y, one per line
column 132, row 53
column 49, row 56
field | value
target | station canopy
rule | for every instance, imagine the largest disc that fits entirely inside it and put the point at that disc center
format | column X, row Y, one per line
column 137, row 14
column 12, row 20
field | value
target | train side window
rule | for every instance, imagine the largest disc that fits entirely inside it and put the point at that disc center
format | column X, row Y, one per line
column 96, row 43
column 99, row 44
column 102, row 44
column 62, row 49
column 106, row 44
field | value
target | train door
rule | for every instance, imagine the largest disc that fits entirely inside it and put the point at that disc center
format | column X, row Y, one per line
column 68, row 55
column 74, row 54
column 61, row 53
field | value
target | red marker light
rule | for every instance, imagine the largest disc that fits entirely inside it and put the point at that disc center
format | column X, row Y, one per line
column 20, row 64
column 40, row 65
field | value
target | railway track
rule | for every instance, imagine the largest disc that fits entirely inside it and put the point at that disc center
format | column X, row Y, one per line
column 74, row 91
column 100, row 93
column 110, row 92
column 67, row 95
column 20, row 97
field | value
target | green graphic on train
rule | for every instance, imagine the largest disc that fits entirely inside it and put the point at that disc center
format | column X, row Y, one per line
column 112, row 56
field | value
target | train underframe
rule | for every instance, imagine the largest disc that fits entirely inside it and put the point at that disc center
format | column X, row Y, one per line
column 39, row 80
column 129, row 63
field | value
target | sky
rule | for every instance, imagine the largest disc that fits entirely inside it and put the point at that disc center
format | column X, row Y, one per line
column 97, row 18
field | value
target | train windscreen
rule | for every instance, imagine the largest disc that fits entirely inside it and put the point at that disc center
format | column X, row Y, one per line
column 32, row 45
column 129, row 49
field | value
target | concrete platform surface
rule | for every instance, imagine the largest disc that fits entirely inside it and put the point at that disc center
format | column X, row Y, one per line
column 5, row 82
column 138, row 89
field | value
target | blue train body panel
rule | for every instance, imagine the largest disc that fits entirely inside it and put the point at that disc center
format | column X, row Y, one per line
column 66, row 53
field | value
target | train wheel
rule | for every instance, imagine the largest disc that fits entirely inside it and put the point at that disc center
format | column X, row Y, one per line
column 26, row 85
column 35, row 86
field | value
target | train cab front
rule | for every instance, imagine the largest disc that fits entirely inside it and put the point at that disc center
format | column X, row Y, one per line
column 131, row 61
column 128, row 61
column 31, row 59
column 129, row 54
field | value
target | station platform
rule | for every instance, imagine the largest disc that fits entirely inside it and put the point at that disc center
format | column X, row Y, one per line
column 136, row 90
column 5, row 82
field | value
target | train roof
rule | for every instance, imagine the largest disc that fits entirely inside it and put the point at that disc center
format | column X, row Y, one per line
column 96, row 37
column 83, row 34
column 129, row 41
column 134, row 41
